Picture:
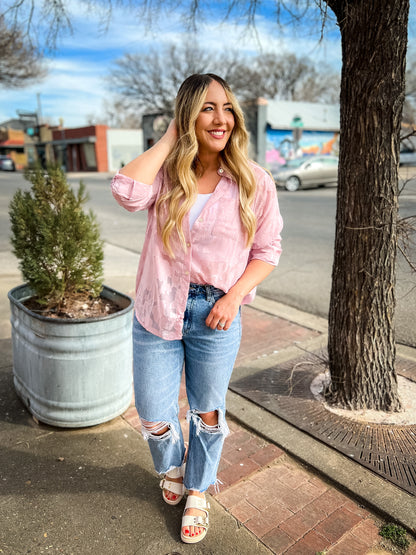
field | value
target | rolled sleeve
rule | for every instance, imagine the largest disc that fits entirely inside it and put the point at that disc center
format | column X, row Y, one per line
column 267, row 240
column 134, row 195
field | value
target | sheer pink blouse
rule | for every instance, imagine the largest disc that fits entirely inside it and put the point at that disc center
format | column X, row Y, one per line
column 216, row 252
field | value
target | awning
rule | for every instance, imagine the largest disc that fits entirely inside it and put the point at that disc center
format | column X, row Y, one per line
column 78, row 141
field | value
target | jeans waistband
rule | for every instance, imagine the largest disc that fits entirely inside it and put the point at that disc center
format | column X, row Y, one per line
column 208, row 291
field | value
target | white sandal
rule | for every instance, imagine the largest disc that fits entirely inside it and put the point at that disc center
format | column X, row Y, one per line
column 195, row 502
column 174, row 487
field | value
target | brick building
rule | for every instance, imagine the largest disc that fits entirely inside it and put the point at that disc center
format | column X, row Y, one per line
column 95, row 148
column 82, row 148
column 12, row 143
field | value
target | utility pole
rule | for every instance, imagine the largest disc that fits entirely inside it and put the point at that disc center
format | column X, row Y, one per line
column 39, row 109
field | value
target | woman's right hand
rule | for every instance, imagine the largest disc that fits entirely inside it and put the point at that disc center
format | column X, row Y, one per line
column 145, row 167
column 171, row 134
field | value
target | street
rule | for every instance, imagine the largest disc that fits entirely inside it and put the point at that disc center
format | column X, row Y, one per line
column 303, row 277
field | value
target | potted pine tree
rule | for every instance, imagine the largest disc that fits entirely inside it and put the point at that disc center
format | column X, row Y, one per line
column 72, row 361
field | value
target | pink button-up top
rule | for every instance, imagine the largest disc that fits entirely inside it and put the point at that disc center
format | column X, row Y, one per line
column 216, row 251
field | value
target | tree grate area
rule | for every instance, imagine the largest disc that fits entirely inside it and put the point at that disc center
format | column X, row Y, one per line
column 388, row 450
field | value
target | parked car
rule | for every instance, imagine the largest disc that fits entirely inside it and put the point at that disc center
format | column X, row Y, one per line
column 6, row 163
column 307, row 172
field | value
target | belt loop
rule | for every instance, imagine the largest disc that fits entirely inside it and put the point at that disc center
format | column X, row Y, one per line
column 209, row 293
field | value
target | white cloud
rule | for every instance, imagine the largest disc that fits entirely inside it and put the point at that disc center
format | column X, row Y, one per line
column 72, row 90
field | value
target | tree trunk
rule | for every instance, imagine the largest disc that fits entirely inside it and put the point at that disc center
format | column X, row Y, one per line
column 361, row 341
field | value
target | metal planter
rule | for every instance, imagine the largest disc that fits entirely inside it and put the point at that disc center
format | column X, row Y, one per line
column 72, row 373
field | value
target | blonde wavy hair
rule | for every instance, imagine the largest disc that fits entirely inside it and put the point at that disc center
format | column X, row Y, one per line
column 181, row 164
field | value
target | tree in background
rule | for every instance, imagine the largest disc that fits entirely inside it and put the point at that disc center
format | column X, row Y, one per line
column 117, row 112
column 285, row 76
column 20, row 62
column 149, row 82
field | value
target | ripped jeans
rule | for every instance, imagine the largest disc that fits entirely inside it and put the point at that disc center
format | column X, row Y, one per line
column 207, row 357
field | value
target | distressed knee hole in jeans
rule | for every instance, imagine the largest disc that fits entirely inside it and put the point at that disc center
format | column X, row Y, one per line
column 200, row 426
column 152, row 430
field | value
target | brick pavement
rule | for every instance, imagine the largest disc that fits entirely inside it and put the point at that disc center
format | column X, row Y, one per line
column 288, row 507
column 265, row 334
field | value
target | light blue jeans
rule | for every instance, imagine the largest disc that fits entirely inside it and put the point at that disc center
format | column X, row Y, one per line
column 207, row 357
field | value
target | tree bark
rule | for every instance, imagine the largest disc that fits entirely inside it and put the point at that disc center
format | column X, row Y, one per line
column 361, row 341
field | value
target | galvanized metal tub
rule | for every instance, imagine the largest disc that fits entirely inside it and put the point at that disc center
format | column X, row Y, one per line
column 72, row 373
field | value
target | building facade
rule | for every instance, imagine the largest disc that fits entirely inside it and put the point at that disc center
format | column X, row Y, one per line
column 96, row 148
column 93, row 148
column 12, row 144
column 296, row 129
column 81, row 149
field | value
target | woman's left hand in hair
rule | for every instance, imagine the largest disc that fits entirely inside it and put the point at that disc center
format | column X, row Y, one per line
column 223, row 313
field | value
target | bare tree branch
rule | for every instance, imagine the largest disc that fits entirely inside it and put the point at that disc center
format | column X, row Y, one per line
column 411, row 134
column 150, row 82
column 20, row 62
column 56, row 16
column 406, row 232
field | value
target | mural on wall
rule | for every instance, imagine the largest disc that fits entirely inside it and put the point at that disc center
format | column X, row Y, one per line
column 285, row 144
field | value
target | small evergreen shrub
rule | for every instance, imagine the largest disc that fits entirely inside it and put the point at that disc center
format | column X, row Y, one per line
column 57, row 243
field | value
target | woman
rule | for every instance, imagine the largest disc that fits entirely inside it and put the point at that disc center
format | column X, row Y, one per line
column 213, row 235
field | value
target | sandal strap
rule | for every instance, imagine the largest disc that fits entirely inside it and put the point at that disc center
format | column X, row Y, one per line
column 201, row 521
column 196, row 502
column 173, row 487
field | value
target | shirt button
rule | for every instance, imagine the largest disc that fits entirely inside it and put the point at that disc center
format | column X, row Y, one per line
column 188, row 244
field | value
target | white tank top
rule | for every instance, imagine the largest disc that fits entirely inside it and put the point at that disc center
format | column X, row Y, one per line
column 196, row 209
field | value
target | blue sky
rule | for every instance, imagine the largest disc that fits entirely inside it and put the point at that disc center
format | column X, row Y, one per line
column 75, row 87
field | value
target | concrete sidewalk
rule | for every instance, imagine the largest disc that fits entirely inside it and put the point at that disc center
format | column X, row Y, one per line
column 94, row 491
column 89, row 491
